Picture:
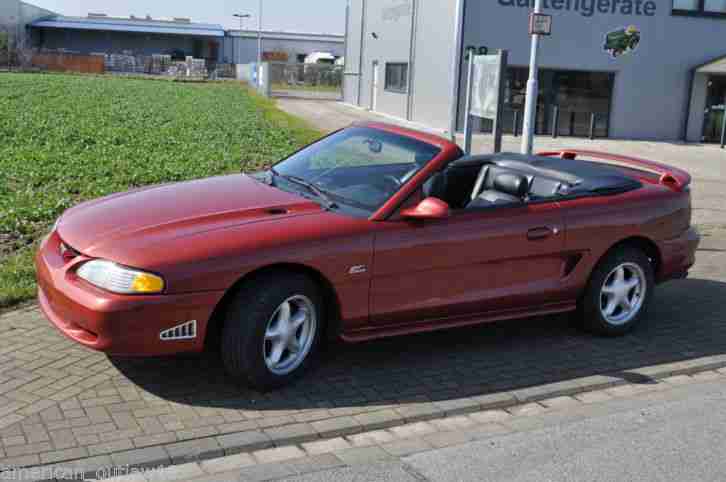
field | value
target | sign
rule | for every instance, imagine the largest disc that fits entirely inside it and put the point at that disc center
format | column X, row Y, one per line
column 590, row 8
column 275, row 56
column 622, row 41
column 540, row 24
column 485, row 86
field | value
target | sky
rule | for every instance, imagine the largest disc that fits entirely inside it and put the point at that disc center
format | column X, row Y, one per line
column 326, row 16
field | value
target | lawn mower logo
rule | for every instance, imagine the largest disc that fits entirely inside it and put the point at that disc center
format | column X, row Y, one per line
column 622, row 41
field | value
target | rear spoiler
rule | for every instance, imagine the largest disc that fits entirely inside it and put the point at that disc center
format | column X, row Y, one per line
column 671, row 177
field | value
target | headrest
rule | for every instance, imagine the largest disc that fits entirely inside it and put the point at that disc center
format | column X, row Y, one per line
column 513, row 184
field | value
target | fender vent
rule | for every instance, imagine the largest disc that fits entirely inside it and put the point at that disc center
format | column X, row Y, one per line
column 187, row 331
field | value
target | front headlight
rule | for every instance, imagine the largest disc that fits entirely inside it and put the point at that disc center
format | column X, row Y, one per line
column 119, row 279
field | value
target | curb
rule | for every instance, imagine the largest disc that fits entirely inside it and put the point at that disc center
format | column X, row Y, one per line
column 206, row 448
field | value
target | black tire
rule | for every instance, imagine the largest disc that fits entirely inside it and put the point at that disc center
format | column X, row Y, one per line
column 590, row 307
column 246, row 323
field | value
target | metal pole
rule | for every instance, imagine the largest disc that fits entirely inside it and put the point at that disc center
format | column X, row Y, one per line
column 592, row 126
column 723, row 130
column 532, row 91
column 259, row 47
column 456, row 69
column 515, row 127
column 572, row 123
column 555, row 121
column 503, row 60
column 468, row 128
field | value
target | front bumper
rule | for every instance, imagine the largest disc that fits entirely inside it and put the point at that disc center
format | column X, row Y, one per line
column 116, row 324
column 678, row 255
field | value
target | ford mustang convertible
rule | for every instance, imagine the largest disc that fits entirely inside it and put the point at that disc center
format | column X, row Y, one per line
column 371, row 232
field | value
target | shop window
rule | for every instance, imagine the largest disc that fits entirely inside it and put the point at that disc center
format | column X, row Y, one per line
column 575, row 95
column 397, row 77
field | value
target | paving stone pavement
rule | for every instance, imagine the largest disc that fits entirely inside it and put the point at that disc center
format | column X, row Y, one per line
column 392, row 445
column 63, row 404
column 60, row 402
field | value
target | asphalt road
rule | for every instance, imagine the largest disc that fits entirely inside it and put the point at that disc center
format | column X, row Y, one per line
column 675, row 435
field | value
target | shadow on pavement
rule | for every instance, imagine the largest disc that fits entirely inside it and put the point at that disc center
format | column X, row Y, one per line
column 686, row 321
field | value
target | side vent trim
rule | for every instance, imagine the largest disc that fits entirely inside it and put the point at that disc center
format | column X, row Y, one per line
column 185, row 331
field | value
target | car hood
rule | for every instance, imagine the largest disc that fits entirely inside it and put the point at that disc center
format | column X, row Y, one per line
column 107, row 226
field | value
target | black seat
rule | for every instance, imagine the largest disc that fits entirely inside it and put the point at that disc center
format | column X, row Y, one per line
column 502, row 188
column 453, row 185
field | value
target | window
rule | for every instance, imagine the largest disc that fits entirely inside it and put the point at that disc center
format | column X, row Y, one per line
column 689, row 5
column 715, row 6
column 397, row 77
column 576, row 94
column 706, row 8
column 357, row 167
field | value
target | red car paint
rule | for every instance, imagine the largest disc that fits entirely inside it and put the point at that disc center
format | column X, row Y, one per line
column 206, row 236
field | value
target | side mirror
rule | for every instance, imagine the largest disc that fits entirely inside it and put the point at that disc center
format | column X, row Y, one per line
column 429, row 208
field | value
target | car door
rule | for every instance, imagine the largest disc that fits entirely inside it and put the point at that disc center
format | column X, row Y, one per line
column 475, row 263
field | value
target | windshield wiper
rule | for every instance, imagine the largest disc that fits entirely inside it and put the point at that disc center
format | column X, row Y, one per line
column 329, row 203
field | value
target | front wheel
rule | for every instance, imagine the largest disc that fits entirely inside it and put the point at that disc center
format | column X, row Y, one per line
column 272, row 330
column 618, row 293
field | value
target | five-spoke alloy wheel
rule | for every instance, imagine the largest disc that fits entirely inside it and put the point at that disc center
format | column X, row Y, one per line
column 618, row 293
column 272, row 329
column 289, row 335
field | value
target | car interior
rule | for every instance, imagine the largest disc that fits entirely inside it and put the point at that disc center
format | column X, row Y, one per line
column 474, row 182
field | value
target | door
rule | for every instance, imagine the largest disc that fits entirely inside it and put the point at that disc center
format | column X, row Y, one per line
column 374, row 86
column 480, row 262
column 715, row 108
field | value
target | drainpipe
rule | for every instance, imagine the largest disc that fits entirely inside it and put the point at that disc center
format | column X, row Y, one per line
column 456, row 67
column 363, row 38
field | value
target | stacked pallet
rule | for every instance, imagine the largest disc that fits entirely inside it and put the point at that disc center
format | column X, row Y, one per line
column 159, row 64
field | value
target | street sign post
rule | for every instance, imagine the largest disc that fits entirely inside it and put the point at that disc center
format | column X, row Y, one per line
column 537, row 24
column 540, row 24
column 485, row 94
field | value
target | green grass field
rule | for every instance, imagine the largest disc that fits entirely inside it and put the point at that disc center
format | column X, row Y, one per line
column 68, row 138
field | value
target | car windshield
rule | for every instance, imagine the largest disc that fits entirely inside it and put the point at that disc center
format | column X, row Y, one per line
column 358, row 167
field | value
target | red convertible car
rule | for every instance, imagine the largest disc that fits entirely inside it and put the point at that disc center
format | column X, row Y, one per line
column 371, row 232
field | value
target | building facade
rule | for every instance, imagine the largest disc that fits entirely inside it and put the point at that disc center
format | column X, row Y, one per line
column 15, row 16
column 645, row 69
column 145, row 36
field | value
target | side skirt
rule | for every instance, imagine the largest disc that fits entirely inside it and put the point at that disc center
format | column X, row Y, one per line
column 456, row 322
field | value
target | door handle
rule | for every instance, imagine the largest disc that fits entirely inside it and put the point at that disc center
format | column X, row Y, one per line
column 541, row 233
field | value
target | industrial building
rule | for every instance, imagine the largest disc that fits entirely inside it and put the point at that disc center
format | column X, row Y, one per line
column 145, row 36
column 646, row 69
column 15, row 16
column 241, row 46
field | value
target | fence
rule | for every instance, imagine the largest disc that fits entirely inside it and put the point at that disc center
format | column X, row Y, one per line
column 87, row 64
column 127, row 63
column 315, row 81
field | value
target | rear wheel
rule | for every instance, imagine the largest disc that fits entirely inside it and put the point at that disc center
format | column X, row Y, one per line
column 272, row 330
column 618, row 293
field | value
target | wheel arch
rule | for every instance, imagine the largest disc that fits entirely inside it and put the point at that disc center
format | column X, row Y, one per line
column 646, row 245
column 330, row 299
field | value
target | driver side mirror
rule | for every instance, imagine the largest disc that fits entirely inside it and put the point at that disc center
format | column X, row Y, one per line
column 429, row 208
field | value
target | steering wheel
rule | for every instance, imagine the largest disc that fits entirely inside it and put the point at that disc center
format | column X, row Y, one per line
column 393, row 182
